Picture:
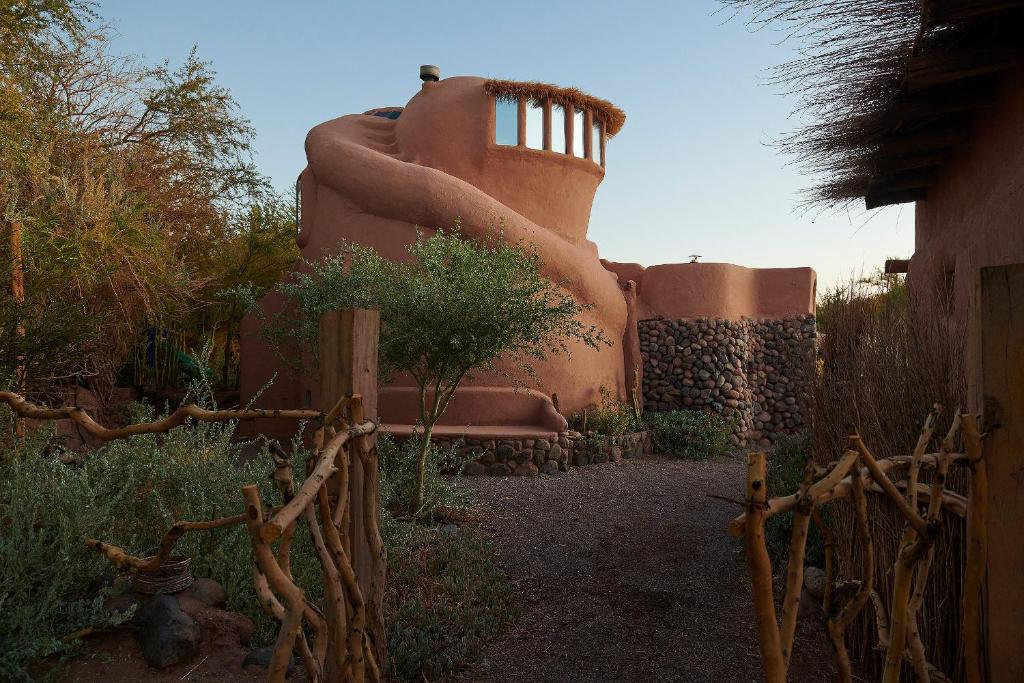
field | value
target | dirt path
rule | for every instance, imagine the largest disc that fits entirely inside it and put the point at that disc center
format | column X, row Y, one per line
column 627, row 574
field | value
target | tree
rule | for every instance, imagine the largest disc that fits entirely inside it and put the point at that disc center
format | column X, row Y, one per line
column 453, row 308
column 119, row 174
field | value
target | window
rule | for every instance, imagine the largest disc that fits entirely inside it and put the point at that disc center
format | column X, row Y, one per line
column 578, row 131
column 534, row 125
column 506, row 122
column 557, row 128
column 595, row 142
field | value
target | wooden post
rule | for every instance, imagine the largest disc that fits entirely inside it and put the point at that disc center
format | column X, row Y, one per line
column 547, row 123
column 772, row 661
column 521, row 121
column 997, row 386
column 348, row 365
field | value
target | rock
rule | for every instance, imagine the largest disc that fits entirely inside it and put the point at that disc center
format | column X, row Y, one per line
column 167, row 635
column 814, row 582
column 449, row 529
column 207, row 591
column 539, row 456
column 499, row 469
column 555, row 452
column 123, row 603
column 474, row 468
column 260, row 659
column 549, row 467
column 542, row 444
column 525, row 469
column 524, row 456
column 504, row 453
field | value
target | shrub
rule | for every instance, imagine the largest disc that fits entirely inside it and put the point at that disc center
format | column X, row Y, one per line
column 689, row 434
column 127, row 493
column 445, row 598
column 398, row 462
column 611, row 417
column 786, row 469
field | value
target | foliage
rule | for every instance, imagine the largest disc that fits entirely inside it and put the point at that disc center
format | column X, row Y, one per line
column 452, row 309
column 128, row 493
column 444, row 594
column 786, row 469
column 123, row 176
column 689, row 434
column 611, row 417
column 445, row 598
column 398, row 477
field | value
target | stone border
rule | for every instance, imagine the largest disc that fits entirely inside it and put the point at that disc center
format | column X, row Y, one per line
column 530, row 457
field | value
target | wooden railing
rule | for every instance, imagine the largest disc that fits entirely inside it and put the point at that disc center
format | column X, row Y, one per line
column 855, row 473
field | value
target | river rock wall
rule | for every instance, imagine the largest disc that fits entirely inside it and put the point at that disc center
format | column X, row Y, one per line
column 755, row 373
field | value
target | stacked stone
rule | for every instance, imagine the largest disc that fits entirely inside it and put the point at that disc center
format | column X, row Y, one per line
column 781, row 374
column 754, row 373
column 528, row 457
column 522, row 457
column 591, row 449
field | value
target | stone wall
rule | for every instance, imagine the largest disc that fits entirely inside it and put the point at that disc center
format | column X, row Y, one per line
column 528, row 457
column 755, row 373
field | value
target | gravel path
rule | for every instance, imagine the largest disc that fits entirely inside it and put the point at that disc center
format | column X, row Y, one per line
column 626, row 573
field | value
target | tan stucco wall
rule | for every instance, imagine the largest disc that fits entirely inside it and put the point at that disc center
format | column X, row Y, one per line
column 974, row 214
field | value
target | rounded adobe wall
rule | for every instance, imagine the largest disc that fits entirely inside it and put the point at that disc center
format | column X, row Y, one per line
column 372, row 180
column 449, row 126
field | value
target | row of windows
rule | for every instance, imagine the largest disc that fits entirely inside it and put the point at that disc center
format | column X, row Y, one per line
column 506, row 129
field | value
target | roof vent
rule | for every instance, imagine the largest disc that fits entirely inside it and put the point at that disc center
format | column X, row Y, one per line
column 429, row 72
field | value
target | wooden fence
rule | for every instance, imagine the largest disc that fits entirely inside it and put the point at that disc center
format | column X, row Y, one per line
column 855, row 473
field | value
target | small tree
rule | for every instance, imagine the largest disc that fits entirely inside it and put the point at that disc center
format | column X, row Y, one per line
column 453, row 308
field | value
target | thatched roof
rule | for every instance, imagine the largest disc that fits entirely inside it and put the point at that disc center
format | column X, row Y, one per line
column 611, row 116
column 890, row 86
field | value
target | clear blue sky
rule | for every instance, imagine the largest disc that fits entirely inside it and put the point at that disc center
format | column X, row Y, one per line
column 692, row 171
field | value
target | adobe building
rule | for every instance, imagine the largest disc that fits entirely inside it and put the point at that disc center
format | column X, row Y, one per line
column 530, row 157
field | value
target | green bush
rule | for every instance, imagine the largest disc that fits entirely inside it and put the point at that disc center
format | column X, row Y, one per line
column 127, row 493
column 689, row 434
column 786, row 468
column 398, row 462
column 445, row 598
column 611, row 417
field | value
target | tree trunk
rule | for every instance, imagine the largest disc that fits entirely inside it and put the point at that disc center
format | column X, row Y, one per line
column 421, row 468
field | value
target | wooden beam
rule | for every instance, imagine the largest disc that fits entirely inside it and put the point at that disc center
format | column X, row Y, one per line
column 911, row 162
column 912, row 180
column 935, row 68
column 925, row 141
column 944, row 11
column 936, row 102
column 875, row 199
column 897, row 266
column 998, row 378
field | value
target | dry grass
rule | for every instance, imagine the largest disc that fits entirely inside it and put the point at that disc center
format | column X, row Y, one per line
column 611, row 116
column 885, row 358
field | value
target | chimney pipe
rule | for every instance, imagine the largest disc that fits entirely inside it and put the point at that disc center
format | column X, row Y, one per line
column 429, row 72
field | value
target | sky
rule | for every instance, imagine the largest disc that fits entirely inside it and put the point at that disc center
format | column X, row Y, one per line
column 694, row 170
